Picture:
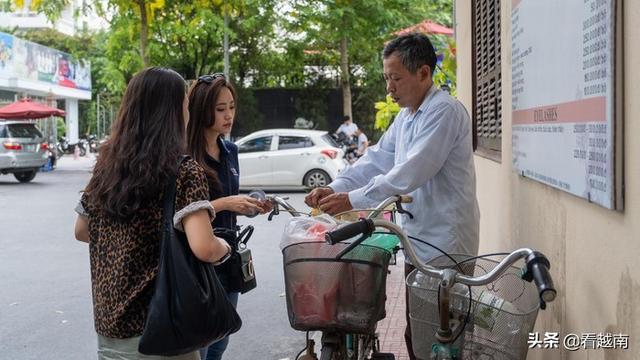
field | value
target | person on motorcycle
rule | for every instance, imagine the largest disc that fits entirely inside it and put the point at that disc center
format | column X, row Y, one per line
column 348, row 127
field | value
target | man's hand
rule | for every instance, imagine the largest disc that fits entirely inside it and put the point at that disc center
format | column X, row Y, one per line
column 314, row 197
column 335, row 203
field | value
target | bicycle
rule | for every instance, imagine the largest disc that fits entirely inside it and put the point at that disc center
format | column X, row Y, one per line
column 496, row 322
column 347, row 319
column 448, row 321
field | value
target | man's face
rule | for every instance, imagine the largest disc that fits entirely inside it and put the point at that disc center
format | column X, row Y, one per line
column 406, row 88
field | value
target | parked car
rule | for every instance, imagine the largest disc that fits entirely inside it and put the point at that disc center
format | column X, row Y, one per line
column 288, row 158
column 23, row 150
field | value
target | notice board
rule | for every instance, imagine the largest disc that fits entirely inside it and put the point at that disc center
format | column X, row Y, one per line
column 563, row 63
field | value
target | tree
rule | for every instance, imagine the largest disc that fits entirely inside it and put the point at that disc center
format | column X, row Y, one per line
column 143, row 10
column 351, row 33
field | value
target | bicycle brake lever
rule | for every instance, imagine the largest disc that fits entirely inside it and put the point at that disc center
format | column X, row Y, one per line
column 401, row 210
column 275, row 211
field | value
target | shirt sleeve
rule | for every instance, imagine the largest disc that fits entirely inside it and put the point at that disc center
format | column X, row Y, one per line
column 192, row 193
column 81, row 206
column 425, row 157
column 377, row 160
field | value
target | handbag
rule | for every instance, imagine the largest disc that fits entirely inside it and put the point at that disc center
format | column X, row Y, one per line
column 239, row 270
column 189, row 309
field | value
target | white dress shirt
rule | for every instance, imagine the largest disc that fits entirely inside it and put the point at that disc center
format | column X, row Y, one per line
column 428, row 155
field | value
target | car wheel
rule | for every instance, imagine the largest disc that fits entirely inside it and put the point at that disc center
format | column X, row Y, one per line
column 25, row 176
column 316, row 178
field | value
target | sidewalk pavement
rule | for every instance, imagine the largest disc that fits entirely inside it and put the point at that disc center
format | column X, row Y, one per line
column 391, row 329
column 71, row 163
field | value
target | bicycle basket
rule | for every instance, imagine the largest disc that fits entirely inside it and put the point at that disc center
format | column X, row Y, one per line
column 502, row 313
column 325, row 293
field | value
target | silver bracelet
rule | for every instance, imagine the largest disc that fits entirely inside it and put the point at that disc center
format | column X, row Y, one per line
column 226, row 256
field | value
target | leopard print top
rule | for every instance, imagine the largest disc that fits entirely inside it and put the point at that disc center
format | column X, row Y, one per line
column 124, row 256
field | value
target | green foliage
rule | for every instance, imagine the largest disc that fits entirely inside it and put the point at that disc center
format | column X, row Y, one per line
column 188, row 38
column 446, row 74
column 386, row 111
column 61, row 127
column 273, row 44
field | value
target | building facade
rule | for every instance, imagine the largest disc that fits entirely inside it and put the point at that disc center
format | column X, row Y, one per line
column 591, row 238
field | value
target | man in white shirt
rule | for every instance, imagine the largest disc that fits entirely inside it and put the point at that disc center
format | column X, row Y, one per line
column 348, row 127
column 427, row 153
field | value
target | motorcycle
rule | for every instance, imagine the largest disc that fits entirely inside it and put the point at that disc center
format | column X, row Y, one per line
column 65, row 147
column 90, row 142
column 349, row 145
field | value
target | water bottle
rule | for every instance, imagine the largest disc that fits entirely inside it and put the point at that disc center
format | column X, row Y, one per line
column 258, row 195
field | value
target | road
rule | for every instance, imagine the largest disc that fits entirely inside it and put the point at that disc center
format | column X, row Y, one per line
column 45, row 284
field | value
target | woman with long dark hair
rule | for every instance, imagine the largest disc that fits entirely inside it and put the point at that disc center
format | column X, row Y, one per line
column 120, row 211
column 212, row 104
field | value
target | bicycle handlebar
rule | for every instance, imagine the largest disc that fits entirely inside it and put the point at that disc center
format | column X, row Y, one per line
column 363, row 226
column 537, row 263
column 278, row 202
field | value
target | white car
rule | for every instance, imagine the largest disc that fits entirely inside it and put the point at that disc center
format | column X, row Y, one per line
column 288, row 158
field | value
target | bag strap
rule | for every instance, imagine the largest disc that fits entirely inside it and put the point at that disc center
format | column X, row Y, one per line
column 169, row 198
column 244, row 236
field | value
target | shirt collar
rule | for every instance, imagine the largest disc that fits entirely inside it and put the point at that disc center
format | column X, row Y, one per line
column 432, row 90
column 222, row 145
column 410, row 116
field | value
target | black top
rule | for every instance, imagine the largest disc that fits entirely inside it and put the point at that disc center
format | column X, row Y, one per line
column 228, row 173
column 229, row 178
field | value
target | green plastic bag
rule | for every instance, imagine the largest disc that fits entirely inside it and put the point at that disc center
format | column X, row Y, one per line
column 386, row 241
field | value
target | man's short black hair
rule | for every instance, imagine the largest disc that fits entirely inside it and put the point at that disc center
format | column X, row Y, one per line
column 346, row 117
column 414, row 50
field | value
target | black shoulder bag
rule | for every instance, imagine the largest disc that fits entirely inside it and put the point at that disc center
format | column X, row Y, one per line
column 238, row 268
column 189, row 308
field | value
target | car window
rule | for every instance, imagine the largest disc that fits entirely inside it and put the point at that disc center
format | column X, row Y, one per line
column 23, row 131
column 330, row 140
column 3, row 131
column 293, row 142
column 256, row 145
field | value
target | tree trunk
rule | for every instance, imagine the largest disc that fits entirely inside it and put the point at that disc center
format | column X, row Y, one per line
column 144, row 32
column 344, row 71
column 344, row 77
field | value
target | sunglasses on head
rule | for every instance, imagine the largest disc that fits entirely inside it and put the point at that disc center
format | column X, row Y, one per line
column 208, row 79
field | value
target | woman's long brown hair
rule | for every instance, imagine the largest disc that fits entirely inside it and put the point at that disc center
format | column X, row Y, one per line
column 202, row 102
column 146, row 142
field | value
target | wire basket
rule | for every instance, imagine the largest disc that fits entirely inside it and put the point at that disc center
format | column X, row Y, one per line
column 501, row 316
column 325, row 293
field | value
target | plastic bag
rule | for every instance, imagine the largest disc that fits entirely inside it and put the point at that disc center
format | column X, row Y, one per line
column 307, row 229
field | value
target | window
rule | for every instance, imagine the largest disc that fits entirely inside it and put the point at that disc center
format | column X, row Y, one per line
column 3, row 132
column 330, row 140
column 487, row 76
column 256, row 145
column 23, row 131
column 293, row 142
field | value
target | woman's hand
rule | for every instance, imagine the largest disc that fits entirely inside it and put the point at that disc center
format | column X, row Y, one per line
column 240, row 204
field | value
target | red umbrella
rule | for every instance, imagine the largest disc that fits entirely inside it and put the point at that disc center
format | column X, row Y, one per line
column 428, row 27
column 27, row 109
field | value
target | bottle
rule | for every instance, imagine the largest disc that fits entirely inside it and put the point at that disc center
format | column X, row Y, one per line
column 492, row 309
